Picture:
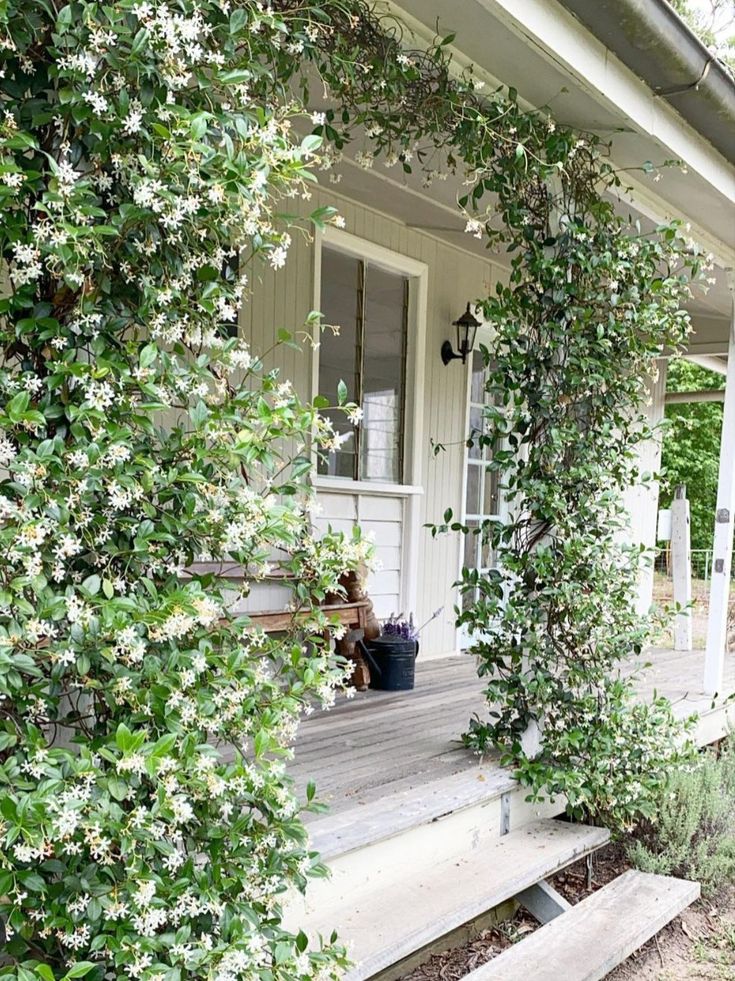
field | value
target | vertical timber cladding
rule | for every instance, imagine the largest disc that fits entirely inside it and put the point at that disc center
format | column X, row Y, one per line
column 381, row 517
column 454, row 277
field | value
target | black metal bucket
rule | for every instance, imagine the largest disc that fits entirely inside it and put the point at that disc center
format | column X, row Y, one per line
column 392, row 662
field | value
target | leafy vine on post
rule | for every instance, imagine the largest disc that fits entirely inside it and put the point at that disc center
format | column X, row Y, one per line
column 590, row 304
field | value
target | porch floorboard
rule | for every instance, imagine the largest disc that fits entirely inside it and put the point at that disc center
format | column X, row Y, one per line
column 382, row 743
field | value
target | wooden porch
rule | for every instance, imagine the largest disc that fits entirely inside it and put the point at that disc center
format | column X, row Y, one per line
column 378, row 743
column 423, row 837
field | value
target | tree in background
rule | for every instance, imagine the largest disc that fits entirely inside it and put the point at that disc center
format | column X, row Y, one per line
column 714, row 22
column 691, row 447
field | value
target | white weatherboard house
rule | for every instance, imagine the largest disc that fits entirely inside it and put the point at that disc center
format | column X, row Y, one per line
column 422, row 838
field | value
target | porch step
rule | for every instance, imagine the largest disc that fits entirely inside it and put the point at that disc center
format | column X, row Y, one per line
column 393, row 917
column 590, row 939
column 420, row 803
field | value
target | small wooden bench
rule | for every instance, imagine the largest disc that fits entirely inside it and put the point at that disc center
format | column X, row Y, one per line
column 355, row 613
column 354, row 616
column 357, row 616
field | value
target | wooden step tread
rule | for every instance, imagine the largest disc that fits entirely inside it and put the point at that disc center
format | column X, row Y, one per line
column 593, row 937
column 365, row 824
column 390, row 921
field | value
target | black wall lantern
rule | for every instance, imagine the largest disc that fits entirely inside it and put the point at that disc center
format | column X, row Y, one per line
column 466, row 331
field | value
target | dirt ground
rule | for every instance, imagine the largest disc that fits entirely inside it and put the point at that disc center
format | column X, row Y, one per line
column 699, row 945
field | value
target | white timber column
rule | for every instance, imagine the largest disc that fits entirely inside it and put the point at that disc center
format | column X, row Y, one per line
column 681, row 568
column 719, row 596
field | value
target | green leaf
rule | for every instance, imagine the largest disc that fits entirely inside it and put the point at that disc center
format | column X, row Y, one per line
column 238, row 20
column 199, row 125
column 91, row 584
column 17, row 406
column 311, row 143
column 80, row 970
column 64, row 19
column 148, row 355
column 123, row 737
column 118, row 788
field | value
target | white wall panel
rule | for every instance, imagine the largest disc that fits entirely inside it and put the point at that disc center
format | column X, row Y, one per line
column 641, row 501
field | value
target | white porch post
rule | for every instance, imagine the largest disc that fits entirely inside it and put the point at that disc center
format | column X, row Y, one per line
column 681, row 568
column 714, row 662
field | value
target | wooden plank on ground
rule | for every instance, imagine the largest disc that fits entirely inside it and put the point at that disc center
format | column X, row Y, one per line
column 593, row 937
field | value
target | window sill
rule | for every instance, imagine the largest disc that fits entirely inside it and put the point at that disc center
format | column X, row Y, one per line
column 340, row 485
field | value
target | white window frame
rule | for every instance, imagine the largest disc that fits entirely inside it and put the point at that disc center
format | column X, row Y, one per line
column 412, row 486
column 484, row 335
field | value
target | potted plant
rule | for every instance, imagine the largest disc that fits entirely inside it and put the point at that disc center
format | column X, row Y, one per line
column 392, row 655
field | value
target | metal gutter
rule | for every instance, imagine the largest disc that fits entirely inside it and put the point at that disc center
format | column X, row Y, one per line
column 654, row 42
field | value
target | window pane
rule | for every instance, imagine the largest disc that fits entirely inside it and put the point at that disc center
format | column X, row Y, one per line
column 487, row 554
column 472, row 501
column 383, row 362
column 475, row 451
column 477, row 393
column 471, row 545
column 492, row 499
column 338, row 353
column 340, row 462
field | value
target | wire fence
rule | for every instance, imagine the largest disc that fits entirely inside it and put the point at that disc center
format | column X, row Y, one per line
column 699, row 558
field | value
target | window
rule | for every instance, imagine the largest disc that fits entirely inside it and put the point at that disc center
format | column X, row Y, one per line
column 370, row 305
column 230, row 272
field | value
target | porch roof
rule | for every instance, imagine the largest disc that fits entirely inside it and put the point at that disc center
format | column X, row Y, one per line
column 552, row 60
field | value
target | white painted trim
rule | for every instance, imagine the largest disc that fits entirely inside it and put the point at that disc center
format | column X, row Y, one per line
column 653, row 207
column 341, row 485
column 418, row 273
column 710, row 362
column 681, row 562
column 463, row 639
column 716, row 348
column 714, row 663
column 414, row 441
column 378, row 255
column 316, row 299
column 562, row 39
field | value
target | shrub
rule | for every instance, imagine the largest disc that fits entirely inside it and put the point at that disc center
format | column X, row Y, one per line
column 693, row 835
